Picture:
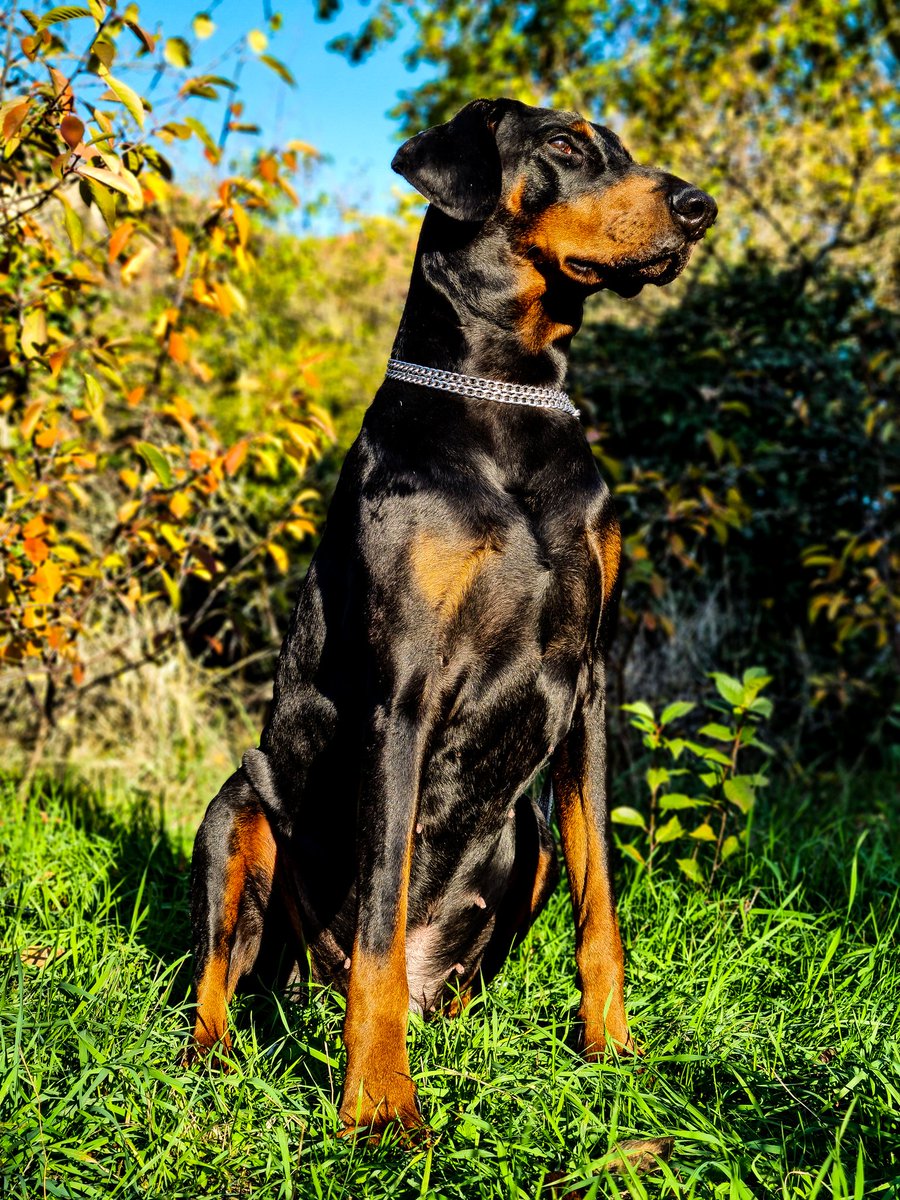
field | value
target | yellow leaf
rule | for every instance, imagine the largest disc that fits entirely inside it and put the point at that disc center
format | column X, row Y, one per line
column 257, row 41
column 241, row 221
column 123, row 92
column 31, row 418
column 125, row 182
column 279, row 556
column 180, row 505
column 203, row 26
column 34, row 333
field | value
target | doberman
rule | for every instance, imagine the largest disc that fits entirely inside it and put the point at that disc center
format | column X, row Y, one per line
column 448, row 641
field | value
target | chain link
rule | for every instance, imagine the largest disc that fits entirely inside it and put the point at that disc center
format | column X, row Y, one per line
column 480, row 389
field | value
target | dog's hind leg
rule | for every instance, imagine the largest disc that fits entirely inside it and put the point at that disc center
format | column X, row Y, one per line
column 232, row 874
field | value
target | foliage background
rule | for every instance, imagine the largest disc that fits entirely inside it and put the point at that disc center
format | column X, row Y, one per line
column 181, row 374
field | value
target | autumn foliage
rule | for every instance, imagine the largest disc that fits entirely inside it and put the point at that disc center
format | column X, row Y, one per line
column 117, row 493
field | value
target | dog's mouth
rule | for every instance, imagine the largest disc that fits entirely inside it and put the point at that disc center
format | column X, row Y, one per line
column 627, row 279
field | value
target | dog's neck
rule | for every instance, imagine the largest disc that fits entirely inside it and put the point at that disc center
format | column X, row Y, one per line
column 477, row 307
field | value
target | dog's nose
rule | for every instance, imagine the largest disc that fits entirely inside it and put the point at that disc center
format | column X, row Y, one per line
column 693, row 210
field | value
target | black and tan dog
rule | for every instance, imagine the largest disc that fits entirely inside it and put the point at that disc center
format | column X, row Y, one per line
column 448, row 641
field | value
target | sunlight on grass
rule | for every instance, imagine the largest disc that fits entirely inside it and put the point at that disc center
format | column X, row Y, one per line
column 766, row 1011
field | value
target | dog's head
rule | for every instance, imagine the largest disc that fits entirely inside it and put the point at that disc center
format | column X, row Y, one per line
column 574, row 202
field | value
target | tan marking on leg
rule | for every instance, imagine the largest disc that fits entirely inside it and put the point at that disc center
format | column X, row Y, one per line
column 445, row 571
column 252, row 849
column 378, row 1087
column 538, row 891
column 598, row 945
column 606, row 544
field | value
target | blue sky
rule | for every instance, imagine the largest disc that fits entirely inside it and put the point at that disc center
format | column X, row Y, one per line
column 340, row 109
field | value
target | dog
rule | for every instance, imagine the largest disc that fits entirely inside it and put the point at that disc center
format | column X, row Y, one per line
column 448, row 641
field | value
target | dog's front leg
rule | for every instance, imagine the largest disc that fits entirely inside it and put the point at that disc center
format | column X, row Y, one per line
column 579, row 784
column 378, row 1086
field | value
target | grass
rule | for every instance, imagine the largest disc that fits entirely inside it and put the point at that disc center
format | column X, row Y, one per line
column 767, row 1011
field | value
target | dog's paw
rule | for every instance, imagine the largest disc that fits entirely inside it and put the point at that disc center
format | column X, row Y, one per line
column 606, row 1044
column 399, row 1113
column 210, row 1053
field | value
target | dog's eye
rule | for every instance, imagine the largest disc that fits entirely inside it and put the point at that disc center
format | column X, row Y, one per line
column 564, row 146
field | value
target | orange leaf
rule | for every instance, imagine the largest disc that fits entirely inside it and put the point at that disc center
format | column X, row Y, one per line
column 46, row 581
column 57, row 361
column 135, row 396
column 182, row 245
column 36, row 550
column 71, row 129
column 234, row 459
column 178, row 347
column 34, row 528
column 225, row 302
column 46, row 437
column 31, row 418
column 119, row 240
column 64, row 97
column 15, row 118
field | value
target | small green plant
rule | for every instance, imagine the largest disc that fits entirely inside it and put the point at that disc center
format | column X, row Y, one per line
column 715, row 794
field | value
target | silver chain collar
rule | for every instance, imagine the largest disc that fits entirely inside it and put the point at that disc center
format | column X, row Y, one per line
column 481, row 389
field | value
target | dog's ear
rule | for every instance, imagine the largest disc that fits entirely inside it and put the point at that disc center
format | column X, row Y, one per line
column 457, row 166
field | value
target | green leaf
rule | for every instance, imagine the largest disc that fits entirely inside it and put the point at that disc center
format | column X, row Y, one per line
column 709, row 753
column 656, row 777
column 640, row 708
column 279, row 68
column 129, row 98
column 762, row 706
column 73, row 226
column 670, row 831
column 720, row 732
column 105, row 201
column 632, row 851
column 177, row 52
column 65, row 12
column 692, row 869
column 627, row 816
column 730, row 846
column 679, row 800
column 740, row 792
column 678, row 708
column 93, row 402
column 704, row 833
column 156, row 461
column 728, row 688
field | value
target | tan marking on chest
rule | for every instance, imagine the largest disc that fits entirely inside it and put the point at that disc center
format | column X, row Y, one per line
column 445, row 571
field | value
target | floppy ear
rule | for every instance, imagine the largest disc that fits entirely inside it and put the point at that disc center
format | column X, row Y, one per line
column 457, row 166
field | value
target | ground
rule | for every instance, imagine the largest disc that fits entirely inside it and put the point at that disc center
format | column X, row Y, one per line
column 767, row 1011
